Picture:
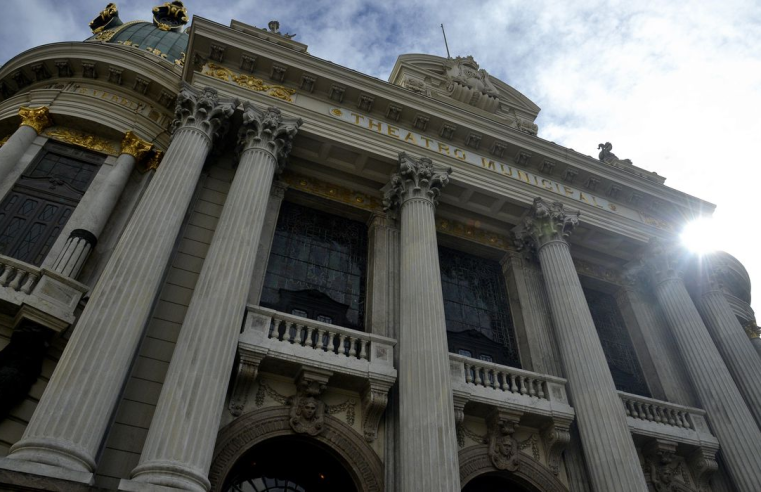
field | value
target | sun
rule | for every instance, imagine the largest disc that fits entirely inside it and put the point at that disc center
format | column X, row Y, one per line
column 700, row 236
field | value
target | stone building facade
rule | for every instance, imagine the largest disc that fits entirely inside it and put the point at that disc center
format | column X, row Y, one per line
column 228, row 265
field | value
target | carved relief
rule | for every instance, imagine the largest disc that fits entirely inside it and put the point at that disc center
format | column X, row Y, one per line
column 662, row 470
column 503, row 447
column 81, row 139
column 374, row 402
column 556, row 437
column 307, row 414
column 470, row 84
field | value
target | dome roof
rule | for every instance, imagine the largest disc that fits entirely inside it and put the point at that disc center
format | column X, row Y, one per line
column 170, row 45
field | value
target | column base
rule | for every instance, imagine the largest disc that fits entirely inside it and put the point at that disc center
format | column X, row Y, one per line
column 135, row 486
column 168, row 475
column 20, row 471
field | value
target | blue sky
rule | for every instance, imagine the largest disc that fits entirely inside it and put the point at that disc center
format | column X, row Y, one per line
column 675, row 86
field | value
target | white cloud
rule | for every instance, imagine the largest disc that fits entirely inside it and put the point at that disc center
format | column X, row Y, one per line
column 676, row 87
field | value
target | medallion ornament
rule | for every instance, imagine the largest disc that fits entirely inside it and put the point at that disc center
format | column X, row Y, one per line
column 268, row 130
column 134, row 146
column 307, row 414
column 416, row 179
column 203, row 110
column 543, row 223
column 37, row 118
column 503, row 447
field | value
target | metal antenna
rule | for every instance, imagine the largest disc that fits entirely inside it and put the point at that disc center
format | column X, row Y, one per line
column 445, row 40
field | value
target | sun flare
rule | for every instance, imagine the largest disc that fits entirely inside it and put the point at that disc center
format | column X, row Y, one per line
column 700, row 236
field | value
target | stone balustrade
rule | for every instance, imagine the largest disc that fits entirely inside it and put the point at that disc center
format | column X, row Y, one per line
column 493, row 384
column 285, row 344
column 39, row 294
column 17, row 277
column 660, row 419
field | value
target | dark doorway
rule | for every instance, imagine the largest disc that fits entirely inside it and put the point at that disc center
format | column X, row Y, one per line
column 289, row 464
column 494, row 482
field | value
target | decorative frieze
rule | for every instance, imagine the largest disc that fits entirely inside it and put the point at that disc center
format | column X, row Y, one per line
column 249, row 82
column 473, row 233
column 331, row 191
column 82, row 139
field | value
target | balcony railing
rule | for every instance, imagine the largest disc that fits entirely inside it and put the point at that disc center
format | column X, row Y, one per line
column 17, row 277
column 487, row 383
column 655, row 418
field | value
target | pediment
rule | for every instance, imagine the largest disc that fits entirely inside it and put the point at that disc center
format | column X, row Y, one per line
column 462, row 80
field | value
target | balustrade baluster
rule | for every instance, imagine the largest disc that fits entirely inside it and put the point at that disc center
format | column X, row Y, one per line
column 479, row 379
column 352, row 347
column 363, row 349
column 524, row 390
column 7, row 275
column 309, row 340
column 531, row 388
column 540, row 385
column 29, row 284
column 16, row 283
column 627, row 407
column 513, row 384
column 468, row 376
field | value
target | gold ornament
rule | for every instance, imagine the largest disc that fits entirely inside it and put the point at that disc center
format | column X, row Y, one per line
column 135, row 147
column 249, row 82
column 153, row 162
column 105, row 17
column 2, row 142
column 37, row 118
column 81, row 139
column 330, row 191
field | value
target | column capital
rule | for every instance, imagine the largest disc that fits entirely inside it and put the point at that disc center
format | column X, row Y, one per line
column 545, row 222
column 268, row 130
column 204, row 111
column 417, row 178
column 37, row 118
column 152, row 163
column 662, row 261
column 134, row 146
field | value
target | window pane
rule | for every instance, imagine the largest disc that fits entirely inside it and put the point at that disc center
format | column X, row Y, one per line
column 616, row 344
column 475, row 305
column 317, row 252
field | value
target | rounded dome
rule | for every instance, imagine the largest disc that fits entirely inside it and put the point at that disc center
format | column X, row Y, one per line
column 168, row 44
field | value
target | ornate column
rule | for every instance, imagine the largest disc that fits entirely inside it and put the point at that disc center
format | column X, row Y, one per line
column 91, row 220
column 730, row 417
column 728, row 335
column 428, row 441
column 67, row 428
column 33, row 121
column 180, row 442
column 608, row 447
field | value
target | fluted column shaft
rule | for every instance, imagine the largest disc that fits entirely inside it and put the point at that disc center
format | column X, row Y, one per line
column 89, row 223
column 738, row 353
column 33, row 121
column 72, row 417
column 180, row 442
column 609, row 451
column 730, row 418
column 428, row 442
column 605, row 437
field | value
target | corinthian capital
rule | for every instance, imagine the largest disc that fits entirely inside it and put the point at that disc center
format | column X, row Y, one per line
column 204, row 111
column 663, row 260
column 268, row 130
column 417, row 178
column 37, row 118
column 134, row 146
column 545, row 222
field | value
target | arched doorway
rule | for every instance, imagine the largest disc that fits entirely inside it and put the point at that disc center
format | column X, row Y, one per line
column 288, row 464
column 337, row 443
column 495, row 482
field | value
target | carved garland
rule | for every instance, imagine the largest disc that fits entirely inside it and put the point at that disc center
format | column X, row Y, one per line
column 248, row 82
column 255, row 427
column 348, row 407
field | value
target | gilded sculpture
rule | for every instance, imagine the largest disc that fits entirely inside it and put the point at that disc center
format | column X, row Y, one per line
column 37, row 118
column 81, row 139
column 108, row 18
column 249, row 82
column 170, row 16
column 134, row 146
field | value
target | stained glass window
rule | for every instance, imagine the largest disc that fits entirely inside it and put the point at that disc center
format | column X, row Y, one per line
column 33, row 214
column 476, row 308
column 616, row 344
column 317, row 265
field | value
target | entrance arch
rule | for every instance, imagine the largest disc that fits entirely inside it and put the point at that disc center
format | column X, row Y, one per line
column 530, row 476
column 338, row 441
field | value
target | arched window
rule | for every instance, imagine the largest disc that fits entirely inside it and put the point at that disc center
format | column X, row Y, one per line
column 42, row 200
column 317, row 267
column 288, row 464
column 477, row 312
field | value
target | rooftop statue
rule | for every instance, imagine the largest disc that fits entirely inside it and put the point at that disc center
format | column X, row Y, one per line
column 465, row 71
column 108, row 18
column 609, row 157
column 274, row 27
column 170, row 16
